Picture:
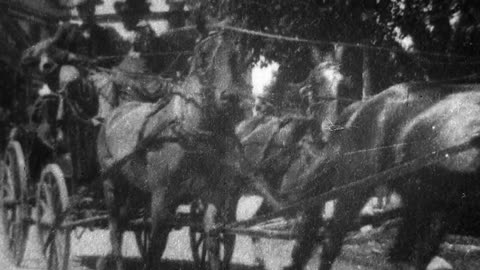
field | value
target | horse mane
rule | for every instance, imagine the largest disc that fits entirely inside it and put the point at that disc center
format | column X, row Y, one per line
column 203, row 65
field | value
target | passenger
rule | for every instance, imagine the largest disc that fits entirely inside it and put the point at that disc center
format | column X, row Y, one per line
column 136, row 76
column 90, row 39
column 58, row 59
column 263, row 107
column 309, row 99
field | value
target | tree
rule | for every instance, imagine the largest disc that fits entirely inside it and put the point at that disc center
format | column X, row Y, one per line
column 403, row 39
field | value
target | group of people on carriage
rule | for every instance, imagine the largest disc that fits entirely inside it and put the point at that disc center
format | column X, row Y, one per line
column 96, row 70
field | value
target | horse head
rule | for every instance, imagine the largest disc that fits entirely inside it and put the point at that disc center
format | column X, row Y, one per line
column 321, row 93
column 215, row 67
column 39, row 55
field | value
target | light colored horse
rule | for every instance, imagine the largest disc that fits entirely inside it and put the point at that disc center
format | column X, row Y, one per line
column 162, row 155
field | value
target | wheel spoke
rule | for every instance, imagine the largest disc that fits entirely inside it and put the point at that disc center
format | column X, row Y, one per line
column 197, row 246
column 14, row 210
column 200, row 240
column 8, row 160
column 46, row 213
column 222, row 253
column 204, row 254
column 8, row 191
column 52, row 199
column 48, row 195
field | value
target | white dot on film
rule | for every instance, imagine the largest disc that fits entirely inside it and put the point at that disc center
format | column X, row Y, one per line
column 433, row 127
column 447, row 155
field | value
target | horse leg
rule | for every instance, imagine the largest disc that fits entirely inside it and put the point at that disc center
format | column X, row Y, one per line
column 347, row 208
column 258, row 252
column 257, row 248
column 430, row 238
column 402, row 250
column 308, row 239
column 160, row 228
column 211, row 241
column 115, row 213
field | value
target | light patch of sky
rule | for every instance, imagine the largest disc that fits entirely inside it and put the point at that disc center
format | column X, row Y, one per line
column 455, row 20
column 262, row 76
column 155, row 6
column 107, row 6
column 406, row 41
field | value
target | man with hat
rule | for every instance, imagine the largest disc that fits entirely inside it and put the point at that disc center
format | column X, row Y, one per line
column 136, row 75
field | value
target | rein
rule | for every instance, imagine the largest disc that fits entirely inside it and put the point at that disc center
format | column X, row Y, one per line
column 178, row 127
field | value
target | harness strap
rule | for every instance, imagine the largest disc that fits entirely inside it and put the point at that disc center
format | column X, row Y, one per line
column 159, row 106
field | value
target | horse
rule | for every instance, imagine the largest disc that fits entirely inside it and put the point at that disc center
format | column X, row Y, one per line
column 87, row 93
column 167, row 153
column 404, row 122
column 281, row 147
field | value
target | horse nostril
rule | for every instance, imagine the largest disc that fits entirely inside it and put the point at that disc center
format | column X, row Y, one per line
column 47, row 67
column 234, row 98
column 223, row 94
column 227, row 96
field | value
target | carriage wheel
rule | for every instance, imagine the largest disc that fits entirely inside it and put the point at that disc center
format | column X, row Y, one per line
column 226, row 242
column 14, row 208
column 52, row 202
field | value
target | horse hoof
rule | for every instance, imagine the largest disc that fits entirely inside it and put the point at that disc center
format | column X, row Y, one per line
column 259, row 264
column 291, row 267
column 105, row 263
column 402, row 266
column 101, row 263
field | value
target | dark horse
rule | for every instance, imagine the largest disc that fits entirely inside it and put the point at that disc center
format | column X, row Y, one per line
column 402, row 123
column 280, row 148
column 175, row 153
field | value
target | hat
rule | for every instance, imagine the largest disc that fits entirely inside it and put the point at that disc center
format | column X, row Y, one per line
column 131, row 12
column 132, row 7
column 74, row 3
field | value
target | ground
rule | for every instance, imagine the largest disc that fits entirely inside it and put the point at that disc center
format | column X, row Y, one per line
column 366, row 250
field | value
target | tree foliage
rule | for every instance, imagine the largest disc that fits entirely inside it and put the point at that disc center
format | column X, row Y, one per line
column 443, row 34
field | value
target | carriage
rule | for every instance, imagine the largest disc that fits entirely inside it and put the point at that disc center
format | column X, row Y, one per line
column 48, row 180
column 44, row 202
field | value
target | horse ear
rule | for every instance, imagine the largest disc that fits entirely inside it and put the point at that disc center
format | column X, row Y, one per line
column 119, row 7
column 225, row 22
column 316, row 55
column 201, row 21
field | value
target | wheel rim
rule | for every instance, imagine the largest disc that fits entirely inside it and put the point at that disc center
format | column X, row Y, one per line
column 52, row 201
column 14, row 215
column 226, row 242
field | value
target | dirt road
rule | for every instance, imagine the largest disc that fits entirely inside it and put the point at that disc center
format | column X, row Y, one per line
column 369, row 254
column 94, row 244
